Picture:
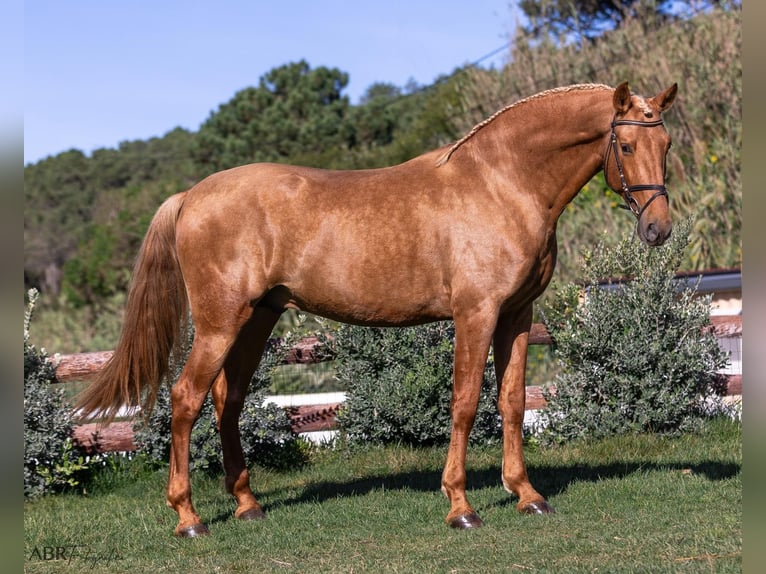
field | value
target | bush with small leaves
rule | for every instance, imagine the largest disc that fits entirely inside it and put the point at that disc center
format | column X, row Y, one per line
column 52, row 463
column 399, row 386
column 638, row 354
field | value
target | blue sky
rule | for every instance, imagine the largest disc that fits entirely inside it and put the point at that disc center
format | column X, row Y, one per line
column 98, row 72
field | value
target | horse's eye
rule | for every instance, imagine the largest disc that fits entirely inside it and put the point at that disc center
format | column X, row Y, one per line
column 626, row 149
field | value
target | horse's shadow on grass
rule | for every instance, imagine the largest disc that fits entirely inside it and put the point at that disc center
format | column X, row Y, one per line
column 548, row 480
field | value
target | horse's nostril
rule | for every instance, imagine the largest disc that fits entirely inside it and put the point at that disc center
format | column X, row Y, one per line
column 651, row 233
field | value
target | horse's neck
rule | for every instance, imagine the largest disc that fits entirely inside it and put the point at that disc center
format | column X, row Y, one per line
column 552, row 148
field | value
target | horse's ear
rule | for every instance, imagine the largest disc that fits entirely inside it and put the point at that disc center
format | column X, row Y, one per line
column 621, row 98
column 664, row 100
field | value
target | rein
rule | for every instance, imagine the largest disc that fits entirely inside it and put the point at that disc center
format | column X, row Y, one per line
column 627, row 190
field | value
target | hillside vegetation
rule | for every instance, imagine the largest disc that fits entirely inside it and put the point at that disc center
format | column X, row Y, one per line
column 85, row 215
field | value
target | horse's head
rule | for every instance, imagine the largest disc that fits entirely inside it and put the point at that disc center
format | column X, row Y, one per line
column 634, row 162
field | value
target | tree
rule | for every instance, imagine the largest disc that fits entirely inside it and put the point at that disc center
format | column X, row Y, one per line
column 375, row 119
column 295, row 114
column 588, row 19
column 57, row 204
column 72, row 200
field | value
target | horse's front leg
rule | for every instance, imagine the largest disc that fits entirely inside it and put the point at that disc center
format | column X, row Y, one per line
column 510, row 350
column 472, row 338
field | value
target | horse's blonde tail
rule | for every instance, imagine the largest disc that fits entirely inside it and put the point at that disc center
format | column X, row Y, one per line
column 154, row 325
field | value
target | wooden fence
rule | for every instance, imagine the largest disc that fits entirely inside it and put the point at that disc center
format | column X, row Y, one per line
column 118, row 436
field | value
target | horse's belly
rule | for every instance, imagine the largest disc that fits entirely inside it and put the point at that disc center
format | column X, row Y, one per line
column 374, row 304
column 377, row 316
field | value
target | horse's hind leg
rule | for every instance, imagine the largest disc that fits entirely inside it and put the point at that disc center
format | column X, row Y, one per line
column 229, row 392
column 204, row 362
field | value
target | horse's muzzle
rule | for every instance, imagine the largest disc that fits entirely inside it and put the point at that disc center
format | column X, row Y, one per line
column 654, row 233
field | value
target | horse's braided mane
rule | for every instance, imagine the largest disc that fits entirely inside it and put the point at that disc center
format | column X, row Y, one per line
column 562, row 89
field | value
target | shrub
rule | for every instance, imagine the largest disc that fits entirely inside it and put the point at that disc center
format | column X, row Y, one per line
column 266, row 431
column 399, row 385
column 636, row 355
column 51, row 461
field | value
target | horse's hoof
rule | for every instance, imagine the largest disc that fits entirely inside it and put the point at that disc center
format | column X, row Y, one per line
column 466, row 521
column 252, row 514
column 193, row 531
column 540, row 507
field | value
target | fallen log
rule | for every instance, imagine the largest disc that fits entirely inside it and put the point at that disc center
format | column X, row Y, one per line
column 312, row 418
column 85, row 366
column 114, row 437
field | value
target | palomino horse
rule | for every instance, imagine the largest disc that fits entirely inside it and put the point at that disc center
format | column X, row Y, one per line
column 466, row 232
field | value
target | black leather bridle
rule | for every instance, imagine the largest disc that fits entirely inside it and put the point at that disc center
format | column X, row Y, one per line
column 628, row 190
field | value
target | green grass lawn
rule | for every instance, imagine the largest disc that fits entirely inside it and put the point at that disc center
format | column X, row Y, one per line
column 630, row 504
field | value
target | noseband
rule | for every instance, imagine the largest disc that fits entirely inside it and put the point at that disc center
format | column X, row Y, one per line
column 627, row 190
